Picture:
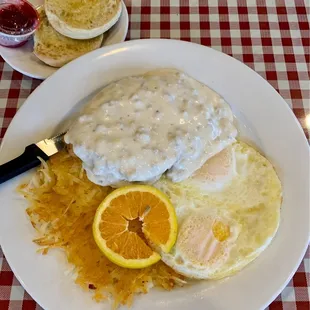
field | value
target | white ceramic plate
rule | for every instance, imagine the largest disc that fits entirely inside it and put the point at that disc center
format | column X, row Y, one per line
column 24, row 61
column 269, row 121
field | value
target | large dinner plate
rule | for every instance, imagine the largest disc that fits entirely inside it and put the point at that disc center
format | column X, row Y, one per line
column 267, row 121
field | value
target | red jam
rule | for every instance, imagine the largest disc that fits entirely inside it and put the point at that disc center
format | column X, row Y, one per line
column 17, row 19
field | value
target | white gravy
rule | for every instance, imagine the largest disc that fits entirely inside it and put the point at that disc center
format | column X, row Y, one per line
column 140, row 127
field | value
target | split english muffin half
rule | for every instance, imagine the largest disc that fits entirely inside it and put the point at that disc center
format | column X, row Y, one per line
column 85, row 19
column 55, row 49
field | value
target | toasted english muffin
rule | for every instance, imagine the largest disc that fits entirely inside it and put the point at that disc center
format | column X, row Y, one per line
column 55, row 49
column 78, row 19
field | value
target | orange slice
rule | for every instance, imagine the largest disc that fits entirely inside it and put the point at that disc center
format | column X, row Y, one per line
column 132, row 222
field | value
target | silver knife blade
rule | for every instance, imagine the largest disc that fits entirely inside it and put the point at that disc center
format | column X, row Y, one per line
column 53, row 145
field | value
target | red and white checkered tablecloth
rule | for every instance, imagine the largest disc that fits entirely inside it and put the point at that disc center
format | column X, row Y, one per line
column 272, row 37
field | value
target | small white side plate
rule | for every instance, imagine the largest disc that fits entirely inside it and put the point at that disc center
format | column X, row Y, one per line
column 24, row 61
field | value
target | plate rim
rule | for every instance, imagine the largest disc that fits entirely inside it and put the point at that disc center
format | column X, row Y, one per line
column 134, row 42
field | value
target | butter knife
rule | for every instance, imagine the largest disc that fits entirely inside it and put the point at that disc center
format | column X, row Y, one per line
column 29, row 159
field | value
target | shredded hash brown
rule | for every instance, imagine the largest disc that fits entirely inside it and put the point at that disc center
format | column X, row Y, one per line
column 63, row 203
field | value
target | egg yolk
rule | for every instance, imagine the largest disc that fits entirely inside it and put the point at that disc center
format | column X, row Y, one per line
column 220, row 231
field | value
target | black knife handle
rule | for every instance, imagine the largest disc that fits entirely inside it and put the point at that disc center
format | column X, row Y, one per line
column 24, row 162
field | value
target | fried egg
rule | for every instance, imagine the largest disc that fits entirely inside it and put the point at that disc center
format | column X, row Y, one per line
column 228, row 213
column 216, row 172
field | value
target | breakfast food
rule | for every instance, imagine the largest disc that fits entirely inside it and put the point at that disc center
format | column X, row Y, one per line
column 131, row 218
column 213, row 206
column 83, row 19
column 222, row 231
column 140, row 127
column 55, row 49
column 63, row 204
column 69, row 29
column 216, row 172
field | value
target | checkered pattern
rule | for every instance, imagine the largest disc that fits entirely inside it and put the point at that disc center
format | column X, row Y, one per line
column 272, row 37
